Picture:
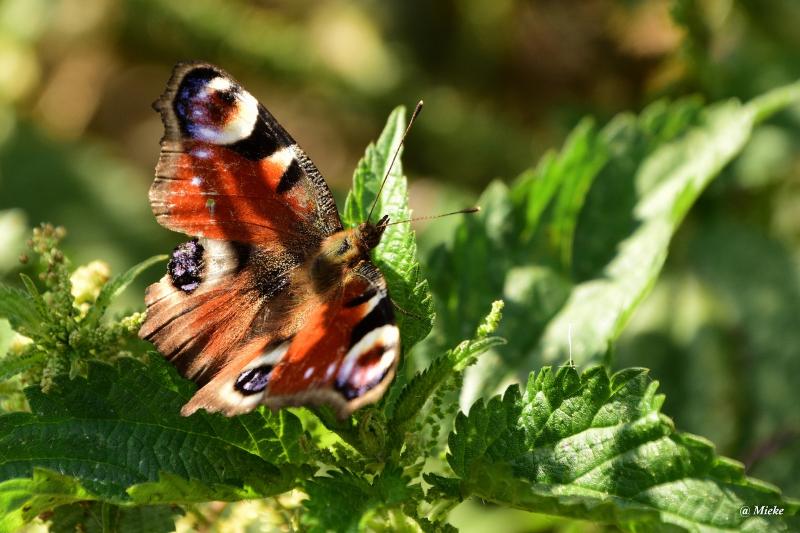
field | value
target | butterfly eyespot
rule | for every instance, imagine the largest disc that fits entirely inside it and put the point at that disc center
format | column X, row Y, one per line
column 253, row 380
column 368, row 372
column 186, row 266
column 212, row 108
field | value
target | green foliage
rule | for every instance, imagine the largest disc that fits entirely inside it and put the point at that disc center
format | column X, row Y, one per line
column 95, row 517
column 584, row 236
column 12, row 365
column 114, row 288
column 23, row 498
column 422, row 387
column 735, row 347
column 64, row 323
column 346, row 502
column 572, row 248
column 130, row 415
column 19, row 307
column 595, row 446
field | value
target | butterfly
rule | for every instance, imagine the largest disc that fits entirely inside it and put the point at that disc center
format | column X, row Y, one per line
column 272, row 301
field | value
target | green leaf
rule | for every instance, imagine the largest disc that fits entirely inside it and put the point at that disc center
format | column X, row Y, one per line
column 596, row 447
column 470, row 276
column 668, row 183
column 119, row 434
column 683, row 151
column 576, row 244
column 420, row 389
column 21, row 500
column 336, row 503
column 20, row 309
column 99, row 517
column 585, row 154
column 176, row 489
column 39, row 304
column 396, row 255
column 342, row 501
column 13, row 365
column 117, row 286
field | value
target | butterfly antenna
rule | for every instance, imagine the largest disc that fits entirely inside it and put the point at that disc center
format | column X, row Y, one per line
column 394, row 157
column 464, row 211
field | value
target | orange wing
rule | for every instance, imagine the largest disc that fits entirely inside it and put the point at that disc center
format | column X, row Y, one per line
column 218, row 299
column 229, row 171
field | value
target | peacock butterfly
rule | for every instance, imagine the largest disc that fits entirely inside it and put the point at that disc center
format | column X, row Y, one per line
column 272, row 301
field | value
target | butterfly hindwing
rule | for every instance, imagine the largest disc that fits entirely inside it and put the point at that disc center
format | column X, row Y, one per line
column 347, row 352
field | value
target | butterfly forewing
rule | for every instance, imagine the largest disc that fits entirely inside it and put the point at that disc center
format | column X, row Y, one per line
column 228, row 170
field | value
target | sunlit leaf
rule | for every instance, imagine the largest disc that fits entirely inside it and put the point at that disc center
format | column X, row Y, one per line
column 595, row 446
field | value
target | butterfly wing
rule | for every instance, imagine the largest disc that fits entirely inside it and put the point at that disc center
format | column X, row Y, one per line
column 217, row 301
column 229, row 171
column 344, row 355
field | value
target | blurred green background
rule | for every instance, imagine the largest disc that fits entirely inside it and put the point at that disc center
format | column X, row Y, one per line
column 503, row 81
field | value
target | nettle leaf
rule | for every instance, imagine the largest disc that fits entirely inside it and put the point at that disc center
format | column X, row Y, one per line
column 396, row 255
column 343, row 501
column 13, row 365
column 39, row 305
column 574, row 245
column 574, row 172
column 119, row 434
column 20, row 309
column 22, row 500
column 666, row 183
column 99, row 517
column 596, row 447
column 423, row 385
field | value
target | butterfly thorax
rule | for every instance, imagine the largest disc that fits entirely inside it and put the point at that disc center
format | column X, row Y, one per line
column 344, row 250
